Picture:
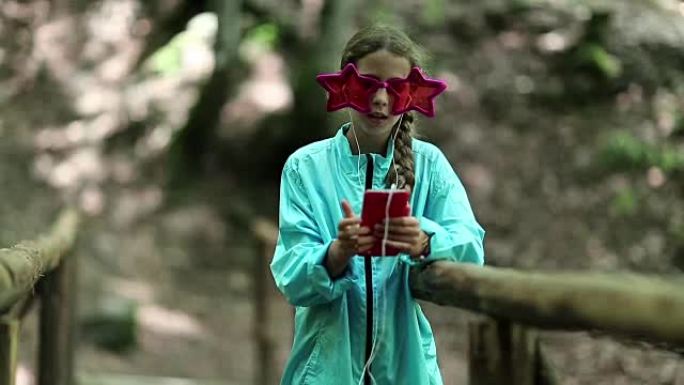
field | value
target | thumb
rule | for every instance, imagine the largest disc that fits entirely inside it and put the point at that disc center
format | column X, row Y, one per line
column 346, row 207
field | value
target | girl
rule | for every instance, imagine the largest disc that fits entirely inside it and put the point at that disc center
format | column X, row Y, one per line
column 356, row 321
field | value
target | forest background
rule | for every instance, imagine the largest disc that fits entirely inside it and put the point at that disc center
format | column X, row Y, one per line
column 167, row 123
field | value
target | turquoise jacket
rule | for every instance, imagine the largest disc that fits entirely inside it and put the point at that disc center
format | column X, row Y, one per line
column 337, row 320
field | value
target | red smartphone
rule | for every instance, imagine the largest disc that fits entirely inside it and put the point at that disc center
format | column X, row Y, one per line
column 374, row 210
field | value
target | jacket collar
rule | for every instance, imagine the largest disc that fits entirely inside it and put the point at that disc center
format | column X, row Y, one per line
column 350, row 162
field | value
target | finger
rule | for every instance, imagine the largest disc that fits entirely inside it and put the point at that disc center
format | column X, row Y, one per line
column 402, row 246
column 353, row 232
column 359, row 230
column 347, row 222
column 403, row 221
column 346, row 207
column 400, row 238
column 349, row 238
column 365, row 241
column 398, row 230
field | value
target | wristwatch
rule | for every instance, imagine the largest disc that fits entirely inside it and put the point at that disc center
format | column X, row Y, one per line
column 426, row 246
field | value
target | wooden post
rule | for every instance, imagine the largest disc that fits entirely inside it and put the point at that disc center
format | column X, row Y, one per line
column 266, row 234
column 546, row 372
column 9, row 345
column 57, row 324
column 489, row 351
column 501, row 353
column 262, row 316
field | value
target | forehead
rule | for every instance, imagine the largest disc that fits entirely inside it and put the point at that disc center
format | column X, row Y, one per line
column 384, row 65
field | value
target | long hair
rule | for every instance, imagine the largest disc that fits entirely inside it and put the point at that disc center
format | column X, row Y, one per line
column 376, row 38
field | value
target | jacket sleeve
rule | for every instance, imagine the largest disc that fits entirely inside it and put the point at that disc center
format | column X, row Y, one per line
column 448, row 219
column 297, row 264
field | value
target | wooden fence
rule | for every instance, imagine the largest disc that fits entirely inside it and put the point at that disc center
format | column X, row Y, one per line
column 44, row 268
column 504, row 347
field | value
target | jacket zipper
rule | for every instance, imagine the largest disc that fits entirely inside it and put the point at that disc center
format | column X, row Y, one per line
column 369, row 283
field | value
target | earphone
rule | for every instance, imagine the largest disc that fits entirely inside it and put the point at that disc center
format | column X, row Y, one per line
column 384, row 281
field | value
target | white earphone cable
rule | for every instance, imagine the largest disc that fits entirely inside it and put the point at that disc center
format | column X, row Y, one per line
column 384, row 281
column 358, row 149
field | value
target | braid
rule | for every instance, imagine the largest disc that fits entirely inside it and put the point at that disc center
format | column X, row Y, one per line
column 403, row 155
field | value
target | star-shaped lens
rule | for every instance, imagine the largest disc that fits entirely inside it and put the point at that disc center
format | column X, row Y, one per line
column 416, row 92
column 348, row 88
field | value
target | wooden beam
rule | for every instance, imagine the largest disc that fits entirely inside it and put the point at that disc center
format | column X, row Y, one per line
column 648, row 308
column 22, row 265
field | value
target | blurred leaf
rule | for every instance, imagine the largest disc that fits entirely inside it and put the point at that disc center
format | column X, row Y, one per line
column 596, row 56
column 167, row 60
column 678, row 129
column 624, row 203
column 381, row 13
column 262, row 38
column 434, row 12
column 113, row 325
column 670, row 159
column 624, row 152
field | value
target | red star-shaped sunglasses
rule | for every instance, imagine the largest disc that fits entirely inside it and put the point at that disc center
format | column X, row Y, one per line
column 347, row 88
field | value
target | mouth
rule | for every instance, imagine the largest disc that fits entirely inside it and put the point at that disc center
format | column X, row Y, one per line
column 377, row 117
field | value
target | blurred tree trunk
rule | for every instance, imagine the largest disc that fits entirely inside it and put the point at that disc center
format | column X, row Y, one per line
column 190, row 146
column 279, row 136
column 321, row 56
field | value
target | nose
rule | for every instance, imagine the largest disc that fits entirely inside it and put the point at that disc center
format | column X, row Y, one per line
column 380, row 98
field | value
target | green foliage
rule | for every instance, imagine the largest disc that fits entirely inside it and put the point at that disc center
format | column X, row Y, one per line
column 113, row 325
column 168, row 59
column 380, row 13
column 623, row 151
column 624, row 203
column 261, row 38
column 266, row 35
column 678, row 129
column 434, row 12
column 595, row 56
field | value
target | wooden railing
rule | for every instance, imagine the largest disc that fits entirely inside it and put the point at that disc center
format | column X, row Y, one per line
column 504, row 345
column 44, row 268
column 504, row 348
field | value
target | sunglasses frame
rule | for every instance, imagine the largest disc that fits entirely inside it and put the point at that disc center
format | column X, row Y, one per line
column 348, row 88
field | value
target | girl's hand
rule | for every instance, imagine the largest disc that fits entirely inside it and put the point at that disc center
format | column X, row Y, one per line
column 404, row 233
column 351, row 239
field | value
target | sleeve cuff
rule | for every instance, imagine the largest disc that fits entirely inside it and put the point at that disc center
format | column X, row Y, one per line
column 445, row 246
column 324, row 285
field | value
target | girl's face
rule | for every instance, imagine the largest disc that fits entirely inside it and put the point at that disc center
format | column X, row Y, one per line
column 382, row 65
